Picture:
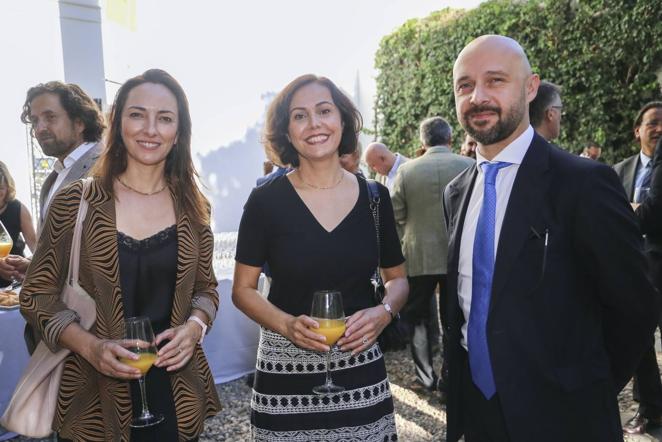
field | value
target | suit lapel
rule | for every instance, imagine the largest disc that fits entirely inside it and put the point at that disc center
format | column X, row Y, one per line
column 81, row 168
column 43, row 194
column 458, row 200
column 524, row 205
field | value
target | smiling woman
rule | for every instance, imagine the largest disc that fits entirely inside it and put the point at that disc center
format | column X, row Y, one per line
column 146, row 251
column 314, row 229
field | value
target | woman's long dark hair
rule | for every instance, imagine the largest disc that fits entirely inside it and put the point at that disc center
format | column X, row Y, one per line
column 180, row 173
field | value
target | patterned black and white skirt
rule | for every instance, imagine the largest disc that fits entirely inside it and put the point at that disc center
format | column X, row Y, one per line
column 285, row 409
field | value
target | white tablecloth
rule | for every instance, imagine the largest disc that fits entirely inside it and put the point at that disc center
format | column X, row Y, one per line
column 231, row 345
column 13, row 357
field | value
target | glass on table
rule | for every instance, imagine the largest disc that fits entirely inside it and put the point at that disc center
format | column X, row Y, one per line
column 139, row 339
column 328, row 311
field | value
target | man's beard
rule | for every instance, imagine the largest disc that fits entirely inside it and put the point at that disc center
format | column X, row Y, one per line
column 55, row 147
column 501, row 130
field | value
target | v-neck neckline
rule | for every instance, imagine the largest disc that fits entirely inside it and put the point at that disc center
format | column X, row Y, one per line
column 312, row 215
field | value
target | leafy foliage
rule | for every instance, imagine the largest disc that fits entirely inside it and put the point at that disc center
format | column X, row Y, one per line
column 604, row 53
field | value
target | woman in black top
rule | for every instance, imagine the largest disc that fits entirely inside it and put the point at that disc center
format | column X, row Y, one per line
column 314, row 228
column 17, row 220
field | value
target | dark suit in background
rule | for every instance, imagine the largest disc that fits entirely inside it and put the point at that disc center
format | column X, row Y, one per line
column 564, row 337
column 647, row 388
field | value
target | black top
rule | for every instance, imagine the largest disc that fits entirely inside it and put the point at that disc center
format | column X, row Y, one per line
column 148, row 271
column 11, row 219
column 279, row 229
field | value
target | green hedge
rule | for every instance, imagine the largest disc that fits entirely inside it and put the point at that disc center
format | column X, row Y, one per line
column 605, row 55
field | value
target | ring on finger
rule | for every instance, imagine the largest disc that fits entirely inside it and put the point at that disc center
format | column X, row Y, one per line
column 365, row 340
column 179, row 349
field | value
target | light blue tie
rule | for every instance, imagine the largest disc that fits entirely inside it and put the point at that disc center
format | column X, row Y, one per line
column 481, row 284
column 644, row 179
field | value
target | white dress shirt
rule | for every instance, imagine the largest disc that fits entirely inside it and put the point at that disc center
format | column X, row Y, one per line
column 513, row 153
column 63, row 167
column 390, row 178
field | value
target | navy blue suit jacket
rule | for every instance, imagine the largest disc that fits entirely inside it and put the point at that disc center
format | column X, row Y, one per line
column 569, row 321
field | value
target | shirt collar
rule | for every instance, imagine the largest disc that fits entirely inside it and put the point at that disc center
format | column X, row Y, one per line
column 512, row 153
column 73, row 156
column 394, row 168
column 644, row 159
column 439, row 148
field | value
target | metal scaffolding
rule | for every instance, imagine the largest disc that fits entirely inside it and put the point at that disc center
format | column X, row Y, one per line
column 41, row 168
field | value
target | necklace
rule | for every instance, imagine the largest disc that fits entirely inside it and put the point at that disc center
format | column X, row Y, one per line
column 321, row 187
column 142, row 193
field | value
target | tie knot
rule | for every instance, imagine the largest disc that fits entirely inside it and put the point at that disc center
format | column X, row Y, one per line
column 491, row 169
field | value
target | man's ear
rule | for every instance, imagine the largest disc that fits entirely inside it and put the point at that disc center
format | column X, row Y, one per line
column 79, row 127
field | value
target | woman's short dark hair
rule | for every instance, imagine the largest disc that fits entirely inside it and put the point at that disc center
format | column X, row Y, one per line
column 180, row 173
column 275, row 137
column 75, row 102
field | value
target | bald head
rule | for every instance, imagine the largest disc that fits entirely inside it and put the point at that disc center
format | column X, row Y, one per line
column 379, row 158
column 493, row 86
column 501, row 47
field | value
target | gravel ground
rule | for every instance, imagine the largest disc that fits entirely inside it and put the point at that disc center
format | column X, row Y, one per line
column 419, row 417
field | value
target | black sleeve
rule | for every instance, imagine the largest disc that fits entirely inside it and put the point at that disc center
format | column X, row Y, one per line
column 628, row 301
column 391, row 252
column 252, row 238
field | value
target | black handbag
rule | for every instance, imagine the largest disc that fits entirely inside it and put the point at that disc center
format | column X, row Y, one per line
column 395, row 336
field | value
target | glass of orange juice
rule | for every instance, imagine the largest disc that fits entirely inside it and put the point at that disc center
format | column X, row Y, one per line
column 6, row 242
column 139, row 339
column 328, row 311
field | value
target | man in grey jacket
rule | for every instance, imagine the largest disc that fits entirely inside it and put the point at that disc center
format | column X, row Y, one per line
column 68, row 125
column 417, row 202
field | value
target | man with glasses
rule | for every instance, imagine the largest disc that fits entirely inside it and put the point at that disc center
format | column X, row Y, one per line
column 636, row 173
column 546, row 110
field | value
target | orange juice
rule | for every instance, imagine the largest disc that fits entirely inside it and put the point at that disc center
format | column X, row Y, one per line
column 5, row 248
column 143, row 363
column 332, row 329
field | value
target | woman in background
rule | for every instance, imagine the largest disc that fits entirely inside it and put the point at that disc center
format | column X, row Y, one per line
column 146, row 250
column 17, row 220
column 314, row 228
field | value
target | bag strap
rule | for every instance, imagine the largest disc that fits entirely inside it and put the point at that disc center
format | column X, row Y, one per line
column 74, row 256
column 374, row 199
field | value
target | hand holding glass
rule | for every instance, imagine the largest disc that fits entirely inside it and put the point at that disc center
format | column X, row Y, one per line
column 6, row 242
column 6, row 245
column 139, row 339
column 328, row 311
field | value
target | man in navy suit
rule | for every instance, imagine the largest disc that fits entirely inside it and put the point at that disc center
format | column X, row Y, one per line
column 539, row 344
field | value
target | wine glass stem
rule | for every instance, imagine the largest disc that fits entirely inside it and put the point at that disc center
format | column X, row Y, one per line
column 328, row 368
column 143, row 397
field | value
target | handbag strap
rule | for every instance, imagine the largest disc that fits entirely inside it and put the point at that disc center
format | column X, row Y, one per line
column 74, row 256
column 374, row 199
